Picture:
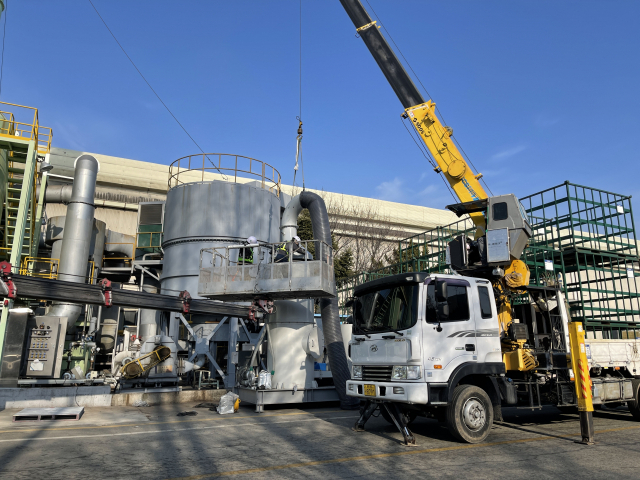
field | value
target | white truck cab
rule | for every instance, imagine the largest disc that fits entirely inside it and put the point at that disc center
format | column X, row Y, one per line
column 402, row 353
column 430, row 345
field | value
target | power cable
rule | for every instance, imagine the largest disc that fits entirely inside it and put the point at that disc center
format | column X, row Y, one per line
column 4, row 34
column 154, row 92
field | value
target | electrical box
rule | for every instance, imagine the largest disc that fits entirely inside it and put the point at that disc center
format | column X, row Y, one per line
column 44, row 347
column 498, row 246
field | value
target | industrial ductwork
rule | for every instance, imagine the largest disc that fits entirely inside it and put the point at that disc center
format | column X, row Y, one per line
column 78, row 229
column 57, row 193
column 328, row 306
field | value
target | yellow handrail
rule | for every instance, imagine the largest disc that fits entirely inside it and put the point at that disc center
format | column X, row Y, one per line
column 28, row 265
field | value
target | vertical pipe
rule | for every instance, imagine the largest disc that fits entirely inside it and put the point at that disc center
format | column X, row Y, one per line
column 78, row 226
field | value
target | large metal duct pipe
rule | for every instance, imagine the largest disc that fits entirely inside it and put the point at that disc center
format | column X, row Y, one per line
column 57, row 193
column 78, row 229
column 328, row 306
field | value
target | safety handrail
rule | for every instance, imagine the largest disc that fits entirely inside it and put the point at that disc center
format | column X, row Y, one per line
column 193, row 168
column 28, row 265
column 26, row 128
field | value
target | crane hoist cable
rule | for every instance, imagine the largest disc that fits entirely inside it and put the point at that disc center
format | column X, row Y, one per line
column 299, row 117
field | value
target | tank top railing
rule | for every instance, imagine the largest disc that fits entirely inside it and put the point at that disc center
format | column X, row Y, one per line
column 206, row 167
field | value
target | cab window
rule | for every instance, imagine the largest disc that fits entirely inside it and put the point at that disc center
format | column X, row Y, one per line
column 458, row 303
column 500, row 211
column 485, row 302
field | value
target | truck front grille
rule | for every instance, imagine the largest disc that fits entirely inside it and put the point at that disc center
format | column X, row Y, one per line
column 377, row 373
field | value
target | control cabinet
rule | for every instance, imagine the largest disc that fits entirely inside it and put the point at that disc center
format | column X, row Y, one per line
column 45, row 346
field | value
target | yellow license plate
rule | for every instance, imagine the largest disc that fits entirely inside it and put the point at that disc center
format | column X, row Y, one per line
column 370, row 390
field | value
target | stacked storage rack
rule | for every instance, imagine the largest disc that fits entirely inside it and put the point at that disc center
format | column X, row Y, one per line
column 582, row 237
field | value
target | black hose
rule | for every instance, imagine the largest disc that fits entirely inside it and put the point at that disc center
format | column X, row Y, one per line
column 329, row 306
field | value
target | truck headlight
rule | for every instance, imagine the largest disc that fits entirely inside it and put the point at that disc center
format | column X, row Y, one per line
column 403, row 372
column 357, row 371
column 399, row 372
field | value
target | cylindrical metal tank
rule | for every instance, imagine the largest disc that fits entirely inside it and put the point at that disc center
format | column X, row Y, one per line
column 211, row 214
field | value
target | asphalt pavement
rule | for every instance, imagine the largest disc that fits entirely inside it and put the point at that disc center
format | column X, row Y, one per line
column 317, row 442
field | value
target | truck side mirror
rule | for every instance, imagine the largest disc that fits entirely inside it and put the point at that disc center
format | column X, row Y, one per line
column 441, row 291
column 443, row 311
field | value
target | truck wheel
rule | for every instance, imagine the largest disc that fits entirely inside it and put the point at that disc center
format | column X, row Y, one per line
column 634, row 405
column 470, row 414
column 408, row 417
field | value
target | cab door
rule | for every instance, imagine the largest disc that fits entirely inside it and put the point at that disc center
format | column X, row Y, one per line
column 487, row 325
column 449, row 343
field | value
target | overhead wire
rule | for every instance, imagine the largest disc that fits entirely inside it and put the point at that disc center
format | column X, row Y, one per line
column 153, row 90
column 4, row 34
column 426, row 91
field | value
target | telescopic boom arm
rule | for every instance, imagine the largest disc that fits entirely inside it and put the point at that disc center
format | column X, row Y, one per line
column 436, row 137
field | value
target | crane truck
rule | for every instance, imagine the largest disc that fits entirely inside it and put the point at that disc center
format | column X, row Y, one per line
column 458, row 347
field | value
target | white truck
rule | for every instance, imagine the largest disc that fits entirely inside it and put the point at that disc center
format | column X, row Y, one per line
column 431, row 345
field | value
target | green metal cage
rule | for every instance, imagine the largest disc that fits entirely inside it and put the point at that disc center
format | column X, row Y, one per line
column 584, row 238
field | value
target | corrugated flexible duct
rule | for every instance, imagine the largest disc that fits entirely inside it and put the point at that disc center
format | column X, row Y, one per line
column 76, row 243
column 328, row 306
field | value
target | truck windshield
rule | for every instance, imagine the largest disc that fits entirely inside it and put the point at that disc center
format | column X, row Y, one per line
column 386, row 310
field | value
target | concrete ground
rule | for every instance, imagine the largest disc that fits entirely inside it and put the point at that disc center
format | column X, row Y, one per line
column 316, row 442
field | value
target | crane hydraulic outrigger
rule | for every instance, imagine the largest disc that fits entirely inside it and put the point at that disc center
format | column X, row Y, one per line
column 503, row 229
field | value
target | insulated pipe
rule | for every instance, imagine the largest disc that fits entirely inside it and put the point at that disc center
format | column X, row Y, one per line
column 148, row 318
column 57, row 193
column 98, row 239
column 76, row 243
column 289, row 223
column 329, row 306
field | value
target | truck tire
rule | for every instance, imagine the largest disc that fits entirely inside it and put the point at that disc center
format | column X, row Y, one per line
column 634, row 405
column 470, row 414
column 409, row 417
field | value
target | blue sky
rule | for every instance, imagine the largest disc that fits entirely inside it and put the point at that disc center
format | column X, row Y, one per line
column 537, row 92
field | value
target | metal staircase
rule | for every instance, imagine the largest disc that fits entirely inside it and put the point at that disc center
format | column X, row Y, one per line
column 22, row 141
